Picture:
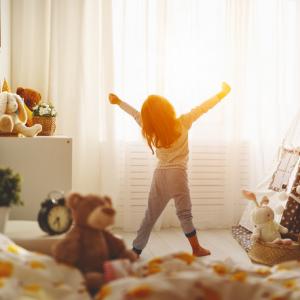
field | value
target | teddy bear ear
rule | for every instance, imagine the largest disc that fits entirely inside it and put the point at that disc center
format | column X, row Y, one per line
column 265, row 201
column 108, row 200
column 73, row 200
column 20, row 91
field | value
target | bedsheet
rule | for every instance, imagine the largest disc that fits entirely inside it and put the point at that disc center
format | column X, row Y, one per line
column 26, row 275
column 181, row 276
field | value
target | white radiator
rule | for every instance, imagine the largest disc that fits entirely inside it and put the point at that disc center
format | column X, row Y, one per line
column 216, row 176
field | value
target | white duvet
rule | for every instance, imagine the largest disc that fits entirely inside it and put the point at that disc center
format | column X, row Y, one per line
column 26, row 275
column 181, row 276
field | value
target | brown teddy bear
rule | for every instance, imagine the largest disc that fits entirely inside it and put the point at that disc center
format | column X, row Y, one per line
column 31, row 98
column 88, row 244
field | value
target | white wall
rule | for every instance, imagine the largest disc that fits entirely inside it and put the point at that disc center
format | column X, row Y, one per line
column 5, row 41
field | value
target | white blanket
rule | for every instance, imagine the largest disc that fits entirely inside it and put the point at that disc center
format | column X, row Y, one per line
column 181, row 276
column 26, row 275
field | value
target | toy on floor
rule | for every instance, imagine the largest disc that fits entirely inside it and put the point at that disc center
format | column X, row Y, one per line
column 266, row 229
column 89, row 244
column 13, row 116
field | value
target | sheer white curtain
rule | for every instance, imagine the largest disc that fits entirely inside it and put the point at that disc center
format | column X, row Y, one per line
column 271, row 77
column 63, row 49
column 75, row 52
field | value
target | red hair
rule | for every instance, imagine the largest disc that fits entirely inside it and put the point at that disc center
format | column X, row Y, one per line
column 160, row 127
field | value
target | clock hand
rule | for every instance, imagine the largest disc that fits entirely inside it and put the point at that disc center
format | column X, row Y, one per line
column 57, row 221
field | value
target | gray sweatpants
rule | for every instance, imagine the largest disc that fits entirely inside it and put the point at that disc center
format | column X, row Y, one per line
column 166, row 184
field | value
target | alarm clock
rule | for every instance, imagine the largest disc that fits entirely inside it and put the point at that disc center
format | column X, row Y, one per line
column 54, row 216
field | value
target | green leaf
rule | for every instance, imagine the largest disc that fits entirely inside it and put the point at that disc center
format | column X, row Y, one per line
column 10, row 187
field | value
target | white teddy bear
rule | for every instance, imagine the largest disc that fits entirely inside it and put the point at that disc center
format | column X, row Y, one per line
column 265, row 227
column 13, row 116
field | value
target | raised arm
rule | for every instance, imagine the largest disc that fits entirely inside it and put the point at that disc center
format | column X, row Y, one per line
column 189, row 118
column 114, row 99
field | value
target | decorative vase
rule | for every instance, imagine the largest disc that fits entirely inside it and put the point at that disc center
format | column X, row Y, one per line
column 48, row 124
column 4, row 214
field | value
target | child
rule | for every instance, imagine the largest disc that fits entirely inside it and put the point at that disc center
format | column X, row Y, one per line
column 169, row 136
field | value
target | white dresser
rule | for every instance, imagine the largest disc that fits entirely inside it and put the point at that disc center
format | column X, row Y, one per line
column 44, row 163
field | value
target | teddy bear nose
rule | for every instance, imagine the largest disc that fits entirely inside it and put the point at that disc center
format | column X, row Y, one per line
column 109, row 211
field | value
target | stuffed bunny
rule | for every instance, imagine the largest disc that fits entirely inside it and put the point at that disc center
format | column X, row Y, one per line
column 13, row 116
column 6, row 122
column 266, row 229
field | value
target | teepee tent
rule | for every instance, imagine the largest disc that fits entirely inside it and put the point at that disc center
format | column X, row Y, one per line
column 281, row 186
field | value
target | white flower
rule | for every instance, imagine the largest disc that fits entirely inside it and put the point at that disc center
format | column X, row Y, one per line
column 43, row 111
column 44, row 105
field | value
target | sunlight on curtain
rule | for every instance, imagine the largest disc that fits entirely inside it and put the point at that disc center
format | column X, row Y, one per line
column 173, row 48
column 272, row 76
column 176, row 49
column 183, row 50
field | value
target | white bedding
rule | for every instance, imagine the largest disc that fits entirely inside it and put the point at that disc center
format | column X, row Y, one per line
column 181, row 276
column 27, row 275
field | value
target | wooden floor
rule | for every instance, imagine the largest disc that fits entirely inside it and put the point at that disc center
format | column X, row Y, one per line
column 219, row 242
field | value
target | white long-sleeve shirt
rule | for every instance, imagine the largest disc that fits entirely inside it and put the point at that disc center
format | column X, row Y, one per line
column 177, row 155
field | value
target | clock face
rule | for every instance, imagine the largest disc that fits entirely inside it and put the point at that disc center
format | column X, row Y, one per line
column 59, row 219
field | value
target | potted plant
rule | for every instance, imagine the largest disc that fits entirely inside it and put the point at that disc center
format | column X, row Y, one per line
column 45, row 114
column 10, row 188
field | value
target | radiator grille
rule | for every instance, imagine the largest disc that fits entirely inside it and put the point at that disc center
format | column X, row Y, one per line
column 216, row 176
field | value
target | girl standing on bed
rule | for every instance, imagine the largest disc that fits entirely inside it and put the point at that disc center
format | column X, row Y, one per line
column 169, row 136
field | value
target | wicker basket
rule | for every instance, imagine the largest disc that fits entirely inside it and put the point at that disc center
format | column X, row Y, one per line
column 271, row 254
column 48, row 124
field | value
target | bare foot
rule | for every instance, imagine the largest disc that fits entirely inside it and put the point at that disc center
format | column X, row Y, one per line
column 201, row 252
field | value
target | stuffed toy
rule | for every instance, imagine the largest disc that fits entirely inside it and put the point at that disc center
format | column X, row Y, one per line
column 30, row 96
column 265, row 227
column 13, row 116
column 6, row 123
column 5, row 86
column 31, row 99
column 88, row 245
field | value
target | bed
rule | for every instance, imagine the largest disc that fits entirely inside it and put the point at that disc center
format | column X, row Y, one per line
column 181, row 276
column 26, row 275
column 29, row 275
